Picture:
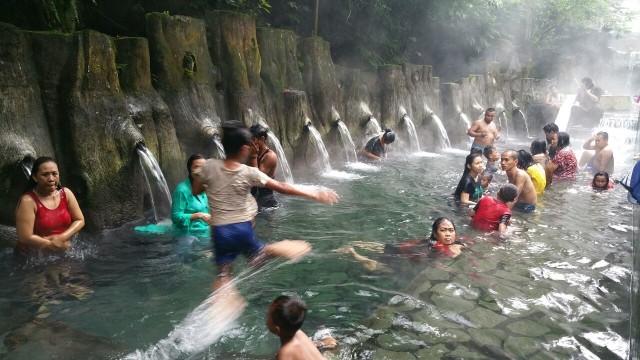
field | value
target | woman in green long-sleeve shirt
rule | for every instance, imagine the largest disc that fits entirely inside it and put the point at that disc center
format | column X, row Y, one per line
column 190, row 213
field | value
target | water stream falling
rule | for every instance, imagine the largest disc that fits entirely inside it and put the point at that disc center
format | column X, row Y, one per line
column 347, row 142
column 503, row 120
column 465, row 120
column 413, row 134
column 517, row 112
column 156, row 184
column 372, row 128
column 27, row 167
column 562, row 119
column 321, row 150
column 444, row 137
column 218, row 143
column 285, row 170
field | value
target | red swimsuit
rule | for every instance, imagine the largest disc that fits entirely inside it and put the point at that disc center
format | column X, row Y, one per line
column 49, row 221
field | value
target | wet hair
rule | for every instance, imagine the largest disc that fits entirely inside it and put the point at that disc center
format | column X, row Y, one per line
column 551, row 127
column 525, row 159
column 389, row 136
column 604, row 134
column 31, row 184
column 486, row 173
column 234, row 136
column 463, row 180
column 507, row 192
column 475, row 150
column 488, row 150
column 563, row 140
column 489, row 110
column 289, row 314
column 588, row 82
column 606, row 177
column 436, row 225
column 538, row 146
column 258, row 130
column 190, row 161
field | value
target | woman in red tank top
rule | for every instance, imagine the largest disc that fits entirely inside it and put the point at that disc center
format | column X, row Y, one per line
column 47, row 215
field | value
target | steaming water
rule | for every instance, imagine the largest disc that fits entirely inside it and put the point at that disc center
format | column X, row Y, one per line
column 321, row 150
column 413, row 134
column 562, row 119
column 444, row 137
column 283, row 164
column 347, row 142
column 556, row 288
column 156, row 184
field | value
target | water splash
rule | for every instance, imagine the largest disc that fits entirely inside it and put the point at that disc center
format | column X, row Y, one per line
column 413, row 134
column 347, row 142
column 26, row 165
column 156, row 183
column 321, row 150
column 285, row 169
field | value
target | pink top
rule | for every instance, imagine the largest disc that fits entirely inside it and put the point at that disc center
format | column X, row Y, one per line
column 567, row 164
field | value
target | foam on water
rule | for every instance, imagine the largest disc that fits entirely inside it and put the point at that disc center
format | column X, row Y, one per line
column 426, row 154
column 360, row 166
column 341, row 175
column 456, row 151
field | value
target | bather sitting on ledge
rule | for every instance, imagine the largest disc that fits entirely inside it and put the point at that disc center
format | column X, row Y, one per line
column 441, row 241
column 375, row 149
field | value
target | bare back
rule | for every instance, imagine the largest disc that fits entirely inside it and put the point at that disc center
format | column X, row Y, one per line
column 300, row 347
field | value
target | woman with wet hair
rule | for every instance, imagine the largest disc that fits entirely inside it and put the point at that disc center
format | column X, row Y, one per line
column 190, row 213
column 564, row 163
column 375, row 149
column 47, row 215
column 469, row 189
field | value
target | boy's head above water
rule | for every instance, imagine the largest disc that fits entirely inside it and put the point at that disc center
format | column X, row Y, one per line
column 286, row 315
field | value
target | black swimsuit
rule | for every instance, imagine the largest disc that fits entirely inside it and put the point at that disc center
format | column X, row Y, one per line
column 264, row 196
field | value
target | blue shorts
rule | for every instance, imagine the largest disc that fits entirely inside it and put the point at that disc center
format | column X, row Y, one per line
column 524, row 207
column 233, row 239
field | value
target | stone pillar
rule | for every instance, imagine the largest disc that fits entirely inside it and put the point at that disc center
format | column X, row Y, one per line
column 451, row 97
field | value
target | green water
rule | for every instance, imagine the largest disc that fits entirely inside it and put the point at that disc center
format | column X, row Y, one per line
column 557, row 288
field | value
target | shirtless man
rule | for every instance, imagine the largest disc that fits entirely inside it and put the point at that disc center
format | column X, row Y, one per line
column 527, row 199
column 266, row 161
column 602, row 160
column 484, row 131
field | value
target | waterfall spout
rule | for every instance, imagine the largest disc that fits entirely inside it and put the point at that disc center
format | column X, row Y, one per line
column 217, row 141
column 282, row 159
column 444, row 137
column 503, row 120
column 321, row 150
column 517, row 113
column 26, row 165
column 156, row 184
column 413, row 134
column 347, row 142
column 372, row 127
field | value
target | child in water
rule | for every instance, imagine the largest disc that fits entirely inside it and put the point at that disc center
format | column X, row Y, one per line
column 601, row 181
column 486, row 176
column 493, row 214
column 284, row 318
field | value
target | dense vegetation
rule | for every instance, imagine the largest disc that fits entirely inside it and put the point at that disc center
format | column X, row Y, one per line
column 453, row 35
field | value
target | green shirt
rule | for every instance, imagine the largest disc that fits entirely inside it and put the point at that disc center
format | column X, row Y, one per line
column 184, row 204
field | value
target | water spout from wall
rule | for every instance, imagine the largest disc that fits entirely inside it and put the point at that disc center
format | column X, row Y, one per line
column 444, row 137
column 156, row 183
column 217, row 141
column 372, row 127
column 347, row 141
column 413, row 134
column 518, row 114
column 321, row 150
column 285, row 169
column 26, row 164
column 503, row 120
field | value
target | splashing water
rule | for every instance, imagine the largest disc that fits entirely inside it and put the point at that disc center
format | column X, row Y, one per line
column 218, row 143
column 321, row 150
column 347, row 142
column 413, row 134
column 156, row 183
column 282, row 159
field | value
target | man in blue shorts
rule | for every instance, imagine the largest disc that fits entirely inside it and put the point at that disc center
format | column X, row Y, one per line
column 227, row 184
